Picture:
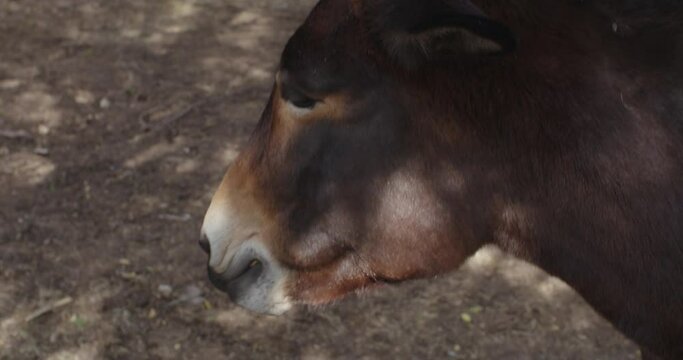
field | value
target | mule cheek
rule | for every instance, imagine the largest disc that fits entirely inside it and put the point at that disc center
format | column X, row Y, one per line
column 412, row 234
column 328, row 239
column 414, row 256
column 310, row 252
column 413, row 247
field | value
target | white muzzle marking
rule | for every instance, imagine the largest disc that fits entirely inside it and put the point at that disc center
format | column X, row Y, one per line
column 232, row 245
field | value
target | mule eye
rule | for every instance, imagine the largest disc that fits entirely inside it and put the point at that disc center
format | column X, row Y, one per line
column 297, row 97
column 303, row 102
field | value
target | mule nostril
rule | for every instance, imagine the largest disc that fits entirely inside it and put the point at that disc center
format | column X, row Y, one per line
column 204, row 244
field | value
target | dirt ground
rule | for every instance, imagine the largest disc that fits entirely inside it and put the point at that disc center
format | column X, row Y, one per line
column 117, row 121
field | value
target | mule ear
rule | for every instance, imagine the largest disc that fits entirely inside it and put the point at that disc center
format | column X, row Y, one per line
column 415, row 31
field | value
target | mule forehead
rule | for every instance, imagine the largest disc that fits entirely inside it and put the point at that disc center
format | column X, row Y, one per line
column 329, row 51
column 327, row 16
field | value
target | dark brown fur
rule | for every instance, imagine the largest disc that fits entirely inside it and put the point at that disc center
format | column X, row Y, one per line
column 565, row 150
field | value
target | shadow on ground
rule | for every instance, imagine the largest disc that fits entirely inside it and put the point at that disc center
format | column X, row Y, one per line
column 117, row 120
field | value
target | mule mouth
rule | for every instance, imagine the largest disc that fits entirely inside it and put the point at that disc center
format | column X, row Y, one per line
column 230, row 285
column 253, row 280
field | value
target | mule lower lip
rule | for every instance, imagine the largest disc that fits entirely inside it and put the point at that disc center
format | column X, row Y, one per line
column 242, row 280
column 240, row 284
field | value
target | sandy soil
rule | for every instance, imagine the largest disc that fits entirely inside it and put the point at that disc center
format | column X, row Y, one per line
column 117, row 121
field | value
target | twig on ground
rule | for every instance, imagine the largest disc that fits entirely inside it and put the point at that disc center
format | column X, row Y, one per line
column 49, row 308
column 15, row 134
column 168, row 121
column 178, row 218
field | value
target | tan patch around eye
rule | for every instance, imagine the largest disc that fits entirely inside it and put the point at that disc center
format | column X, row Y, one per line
column 330, row 107
column 289, row 119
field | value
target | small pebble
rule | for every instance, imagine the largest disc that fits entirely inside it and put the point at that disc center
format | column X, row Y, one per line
column 41, row 151
column 10, row 84
column 191, row 294
column 105, row 103
column 43, row 130
column 165, row 290
column 83, row 97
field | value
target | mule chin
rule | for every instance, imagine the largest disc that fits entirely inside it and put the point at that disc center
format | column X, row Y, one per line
column 260, row 295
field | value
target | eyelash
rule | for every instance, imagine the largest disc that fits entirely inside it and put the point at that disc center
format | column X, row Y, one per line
column 303, row 102
column 298, row 98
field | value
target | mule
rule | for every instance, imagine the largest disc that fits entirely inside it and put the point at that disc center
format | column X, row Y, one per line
column 402, row 136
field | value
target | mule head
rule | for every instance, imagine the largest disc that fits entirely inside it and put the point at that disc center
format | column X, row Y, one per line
column 358, row 172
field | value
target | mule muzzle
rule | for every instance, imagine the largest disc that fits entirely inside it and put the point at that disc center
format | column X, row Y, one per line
column 252, row 280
